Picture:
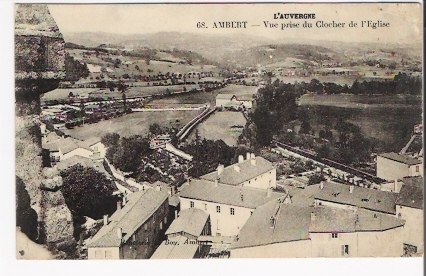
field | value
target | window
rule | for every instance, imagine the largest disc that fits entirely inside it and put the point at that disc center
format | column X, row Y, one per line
column 147, row 240
column 161, row 226
column 334, row 235
column 205, row 206
column 108, row 254
column 98, row 254
column 217, row 209
column 145, row 226
column 345, row 250
column 191, row 204
column 232, row 211
column 95, row 148
column 399, row 215
column 251, row 213
column 165, row 220
column 417, row 168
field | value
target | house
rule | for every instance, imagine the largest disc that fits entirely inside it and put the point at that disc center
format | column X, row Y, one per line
column 409, row 207
column 280, row 230
column 182, row 236
column 391, row 165
column 95, row 144
column 190, row 223
column 69, row 147
column 254, row 171
column 135, row 230
column 353, row 197
column 179, row 248
column 236, row 101
column 229, row 206
column 62, row 149
column 85, row 162
column 174, row 202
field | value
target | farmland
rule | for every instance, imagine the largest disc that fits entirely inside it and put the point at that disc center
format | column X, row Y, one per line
column 132, row 124
column 206, row 97
column 222, row 125
column 387, row 119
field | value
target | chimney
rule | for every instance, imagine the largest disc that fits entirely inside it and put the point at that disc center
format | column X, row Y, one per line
column 269, row 192
column 158, row 188
column 119, row 233
column 118, row 204
column 170, row 192
column 188, row 181
column 252, row 156
column 312, row 216
column 240, row 159
column 321, row 185
column 351, row 189
column 220, row 169
column 272, row 222
column 105, row 219
column 237, row 168
column 248, row 155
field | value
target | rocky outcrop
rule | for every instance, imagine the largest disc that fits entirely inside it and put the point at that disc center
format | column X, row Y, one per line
column 39, row 67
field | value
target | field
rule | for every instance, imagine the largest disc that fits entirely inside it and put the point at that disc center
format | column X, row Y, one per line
column 137, row 91
column 220, row 126
column 387, row 119
column 132, row 124
column 205, row 97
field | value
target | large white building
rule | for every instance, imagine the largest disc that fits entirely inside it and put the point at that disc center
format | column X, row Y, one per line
column 255, row 172
column 280, row 230
column 229, row 206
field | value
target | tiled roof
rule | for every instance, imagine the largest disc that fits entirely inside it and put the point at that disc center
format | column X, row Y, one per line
column 181, row 250
column 52, row 146
column 174, row 200
column 68, row 144
column 139, row 207
column 369, row 199
column 191, row 221
column 293, row 223
column 411, row 193
column 224, row 96
column 402, row 158
column 226, row 194
column 84, row 161
column 90, row 141
column 247, row 171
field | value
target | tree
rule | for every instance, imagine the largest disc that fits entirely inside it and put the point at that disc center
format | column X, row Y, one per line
column 87, row 192
column 127, row 154
column 137, row 67
column 316, row 179
column 305, row 128
column 110, row 139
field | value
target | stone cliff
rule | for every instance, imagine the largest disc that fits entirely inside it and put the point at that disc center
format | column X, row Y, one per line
column 39, row 66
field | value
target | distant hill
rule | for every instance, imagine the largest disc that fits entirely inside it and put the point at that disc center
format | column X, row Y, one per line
column 247, row 50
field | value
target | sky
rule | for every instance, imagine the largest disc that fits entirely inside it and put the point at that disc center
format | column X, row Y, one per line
column 405, row 20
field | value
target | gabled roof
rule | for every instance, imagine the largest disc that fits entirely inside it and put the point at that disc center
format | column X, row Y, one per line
column 226, row 194
column 293, row 223
column 247, row 171
column 244, row 97
column 191, row 221
column 401, row 158
column 138, row 209
column 180, row 249
column 91, row 141
column 411, row 193
column 84, row 161
column 224, row 96
column 69, row 144
column 369, row 199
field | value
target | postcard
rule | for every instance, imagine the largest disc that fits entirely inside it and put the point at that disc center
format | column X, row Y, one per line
column 218, row 131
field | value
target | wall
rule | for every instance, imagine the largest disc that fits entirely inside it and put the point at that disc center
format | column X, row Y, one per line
column 295, row 249
column 79, row 151
column 222, row 223
column 100, row 253
column 416, row 170
column 222, row 102
column 263, row 181
column 390, row 170
column 148, row 237
column 101, row 149
column 323, row 245
column 381, row 243
column 413, row 228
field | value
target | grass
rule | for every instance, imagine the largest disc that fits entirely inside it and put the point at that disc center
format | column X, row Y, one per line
column 218, row 126
column 136, row 123
column 206, row 97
